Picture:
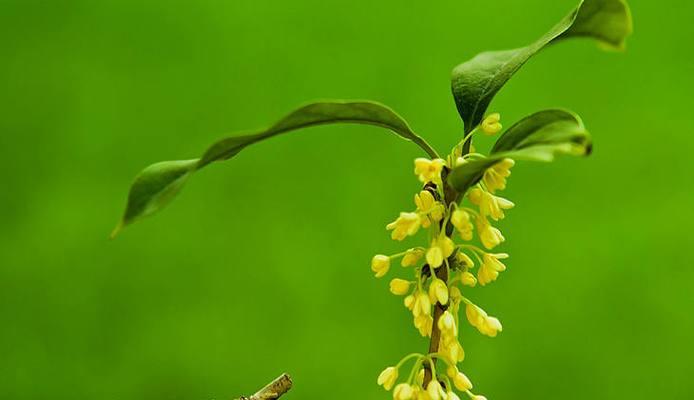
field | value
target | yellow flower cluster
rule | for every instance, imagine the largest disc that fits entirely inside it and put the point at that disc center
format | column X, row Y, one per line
column 443, row 269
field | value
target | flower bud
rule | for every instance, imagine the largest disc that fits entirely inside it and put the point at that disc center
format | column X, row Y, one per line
column 380, row 265
column 388, row 377
column 468, row 279
column 412, row 257
column 491, row 125
column 447, row 324
column 399, row 287
column 435, row 391
column 438, row 291
column 403, row 392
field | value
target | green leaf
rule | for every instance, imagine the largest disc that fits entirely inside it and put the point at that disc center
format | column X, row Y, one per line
column 358, row 112
column 537, row 137
column 548, row 127
column 159, row 183
column 475, row 82
column 153, row 188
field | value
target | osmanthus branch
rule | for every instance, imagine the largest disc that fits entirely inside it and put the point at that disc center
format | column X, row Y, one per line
column 439, row 309
column 450, row 196
column 274, row 390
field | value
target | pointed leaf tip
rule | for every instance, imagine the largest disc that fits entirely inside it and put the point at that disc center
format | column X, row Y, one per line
column 154, row 188
column 475, row 82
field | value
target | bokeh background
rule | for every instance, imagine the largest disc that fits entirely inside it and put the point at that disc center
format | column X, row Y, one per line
column 262, row 264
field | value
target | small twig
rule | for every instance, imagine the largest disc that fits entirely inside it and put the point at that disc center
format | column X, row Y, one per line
column 274, row 390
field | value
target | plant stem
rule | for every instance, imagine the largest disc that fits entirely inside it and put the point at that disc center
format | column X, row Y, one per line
column 274, row 390
column 450, row 197
column 441, row 273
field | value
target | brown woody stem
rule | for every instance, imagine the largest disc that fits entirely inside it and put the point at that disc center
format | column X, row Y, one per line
column 450, row 196
column 441, row 273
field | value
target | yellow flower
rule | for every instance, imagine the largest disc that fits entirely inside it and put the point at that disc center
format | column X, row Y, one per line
column 460, row 380
column 410, row 302
column 489, row 236
column 447, row 324
column 452, row 349
column 424, row 324
column 468, row 279
column 490, row 125
column 455, row 293
column 429, row 209
column 435, row 390
column 478, row 318
column 490, row 268
column 464, row 260
column 479, row 397
column 461, row 221
column 412, row 257
column 407, row 224
column 422, row 305
column 388, row 377
column 495, row 177
column 452, row 396
column 489, row 204
column 491, row 327
column 399, row 287
column 403, row 392
column 441, row 248
column 438, row 291
column 380, row 265
column 428, row 170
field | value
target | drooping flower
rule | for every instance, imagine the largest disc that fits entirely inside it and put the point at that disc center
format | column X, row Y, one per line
column 452, row 396
column 435, row 391
column 422, row 305
column 461, row 221
column 464, row 260
column 478, row 318
column 441, row 248
column 388, row 377
column 452, row 349
column 491, row 125
column 492, row 327
column 380, row 265
column 429, row 170
column 490, row 205
column 399, row 287
column 429, row 209
column 438, row 291
column 490, row 268
column 468, row 279
column 412, row 257
column 494, row 178
column 424, row 323
column 447, row 324
column 403, row 392
column 407, row 224
column 460, row 380
column 489, row 235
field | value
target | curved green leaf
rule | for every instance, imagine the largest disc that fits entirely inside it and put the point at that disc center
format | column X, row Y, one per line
column 545, row 127
column 153, row 188
column 159, row 183
column 358, row 112
column 537, row 137
column 475, row 83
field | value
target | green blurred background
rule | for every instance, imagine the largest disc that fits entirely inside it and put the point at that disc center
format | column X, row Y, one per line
column 262, row 264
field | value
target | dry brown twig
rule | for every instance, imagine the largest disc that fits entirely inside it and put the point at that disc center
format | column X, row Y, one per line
column 274, row 390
